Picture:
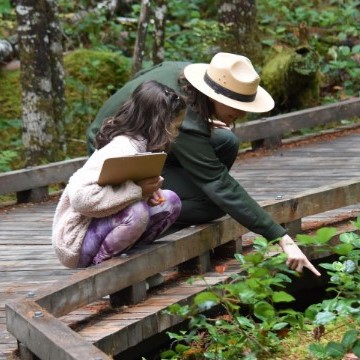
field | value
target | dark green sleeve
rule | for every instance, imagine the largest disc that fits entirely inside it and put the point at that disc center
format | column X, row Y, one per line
column 196, row 155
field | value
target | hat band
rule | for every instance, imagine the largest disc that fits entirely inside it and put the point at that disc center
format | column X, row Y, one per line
column 226, row 92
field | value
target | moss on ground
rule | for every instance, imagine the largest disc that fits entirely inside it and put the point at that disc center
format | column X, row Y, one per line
column 295, row 345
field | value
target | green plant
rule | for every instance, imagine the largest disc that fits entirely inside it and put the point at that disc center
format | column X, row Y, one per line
column 7, row 157
column 344, row 284
column 330, row 29
column 250, row 323
column 12, row 151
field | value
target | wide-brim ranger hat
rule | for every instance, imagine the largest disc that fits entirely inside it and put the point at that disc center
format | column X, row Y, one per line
column 231, row 80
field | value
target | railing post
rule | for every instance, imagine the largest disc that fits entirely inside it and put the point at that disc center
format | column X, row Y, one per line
column 198, row 265
column 25, row 353
column 131, row 295
column 33, row 195
column 229, row 249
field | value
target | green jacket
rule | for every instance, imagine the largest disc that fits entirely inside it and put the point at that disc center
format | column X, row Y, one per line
column 192, row 151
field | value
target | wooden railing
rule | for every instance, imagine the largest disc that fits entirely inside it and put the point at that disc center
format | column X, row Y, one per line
column 270, row 131
column 35, row 322
column 31, row 184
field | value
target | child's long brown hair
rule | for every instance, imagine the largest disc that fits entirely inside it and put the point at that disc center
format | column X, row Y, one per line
column 148, row 114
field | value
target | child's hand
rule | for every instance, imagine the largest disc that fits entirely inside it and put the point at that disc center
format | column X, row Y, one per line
column 150, row 185
column 157, row 198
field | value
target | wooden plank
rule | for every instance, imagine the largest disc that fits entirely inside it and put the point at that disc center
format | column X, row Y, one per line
column 315, row 201
column 285, row 123
column 45, row 336
column 115, row 332
column 38, row 176
column 89, row 285
column 285, row 172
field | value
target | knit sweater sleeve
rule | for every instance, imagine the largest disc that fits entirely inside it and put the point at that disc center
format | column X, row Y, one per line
column 92, row 200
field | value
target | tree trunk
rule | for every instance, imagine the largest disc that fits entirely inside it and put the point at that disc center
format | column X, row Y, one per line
column 160, row 13
column 139, row 48
column 42, row 80
column 7, row 51
column 239, row 17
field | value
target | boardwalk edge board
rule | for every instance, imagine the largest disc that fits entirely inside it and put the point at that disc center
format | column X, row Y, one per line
column 91, row 284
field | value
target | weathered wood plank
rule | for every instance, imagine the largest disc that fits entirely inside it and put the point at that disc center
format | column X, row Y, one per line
column 287, row 123
column 50, row 338
column 38, row 176
column 91, row 284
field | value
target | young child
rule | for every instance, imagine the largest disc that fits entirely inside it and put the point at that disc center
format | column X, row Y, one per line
column 93, row 223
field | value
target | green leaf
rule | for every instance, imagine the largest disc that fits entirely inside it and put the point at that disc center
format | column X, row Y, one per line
column 264, row 311
column 317, row 350
column 279, row 326
column 176, row 309
column 325, row 234
column 357, row 222
column 258, row 272
column 254, row 258
column 343, row 249
column 261, row 242
column 327, row 266
column 305, row 239
column 350, row 238
column 349, row 339
column 207, row 299
column 175, row 336
column 324, row 317
column 356, row 348
column 312, row 311
column 350, row 266
column 282, row 296
column 245, row 322
column 334, row 349
column 180, row 348
column 168, row 354
column 240, row 258
column 356, row 49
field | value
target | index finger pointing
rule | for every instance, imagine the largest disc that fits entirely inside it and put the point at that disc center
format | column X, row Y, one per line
column 312, row 268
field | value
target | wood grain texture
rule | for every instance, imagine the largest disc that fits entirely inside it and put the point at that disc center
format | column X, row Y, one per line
column 29, row 267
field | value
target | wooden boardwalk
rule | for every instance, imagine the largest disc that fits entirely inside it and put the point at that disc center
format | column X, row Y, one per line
column 27, row 261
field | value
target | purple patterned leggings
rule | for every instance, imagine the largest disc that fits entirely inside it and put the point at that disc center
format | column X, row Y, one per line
column 137, row 223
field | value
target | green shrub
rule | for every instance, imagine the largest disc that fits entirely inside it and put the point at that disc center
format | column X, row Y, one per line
column 251, row 325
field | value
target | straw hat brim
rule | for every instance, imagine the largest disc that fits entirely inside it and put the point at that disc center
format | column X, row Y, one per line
column 263, row 101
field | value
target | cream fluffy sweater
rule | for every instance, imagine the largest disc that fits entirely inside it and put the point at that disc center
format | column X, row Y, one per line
column 83, row 199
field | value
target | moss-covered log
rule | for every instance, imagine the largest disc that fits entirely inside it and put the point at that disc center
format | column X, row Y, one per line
column 292, row 77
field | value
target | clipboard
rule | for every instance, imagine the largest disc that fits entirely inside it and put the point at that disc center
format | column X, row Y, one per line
column 137, row 167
